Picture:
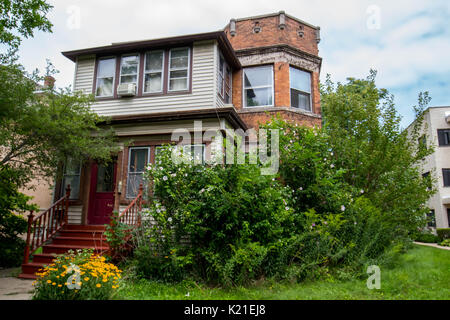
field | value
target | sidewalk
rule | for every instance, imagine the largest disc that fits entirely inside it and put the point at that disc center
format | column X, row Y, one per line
column 13, row 288
column 432, row 245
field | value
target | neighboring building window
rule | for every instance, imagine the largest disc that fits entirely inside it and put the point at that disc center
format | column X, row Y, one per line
column 224, row 85
column 431, row 219
column 71, row 175
column 300, row 89
column 423, row 142
column 178, row 69
column 129, row 68
column 153, row 73
column 446, row 177
column 448, row 217
column 444, row 137
column 426, row 176
column 138, row 160
column 258, row 86
column 106, row 70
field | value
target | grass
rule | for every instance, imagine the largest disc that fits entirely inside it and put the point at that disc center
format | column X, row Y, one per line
column 421, row 273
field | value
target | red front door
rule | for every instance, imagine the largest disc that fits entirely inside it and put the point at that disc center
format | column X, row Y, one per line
column 101, row 202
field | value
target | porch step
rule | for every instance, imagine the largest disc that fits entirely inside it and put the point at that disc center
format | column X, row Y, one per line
column 44, row 258
column 71, row 237
column 84, row 227
column 83, row 241
column 63, row 248
column 81, row 233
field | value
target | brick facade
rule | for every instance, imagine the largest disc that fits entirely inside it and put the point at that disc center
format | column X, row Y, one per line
column 281, row 41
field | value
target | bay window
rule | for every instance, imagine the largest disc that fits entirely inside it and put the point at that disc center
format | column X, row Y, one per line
column 137, row 162
column 129, row 68
column 300, row 83
column 153, row 72
column 258, row 86
column 106, row 70
column 178, row 69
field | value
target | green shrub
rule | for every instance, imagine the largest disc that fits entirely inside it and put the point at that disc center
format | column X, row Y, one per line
column 445, row 243
column 77, row 275
column 443, row 233
column 426, row 238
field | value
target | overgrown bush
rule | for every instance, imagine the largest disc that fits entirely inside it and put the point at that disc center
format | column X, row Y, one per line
column 79, row 275
column 445, row 243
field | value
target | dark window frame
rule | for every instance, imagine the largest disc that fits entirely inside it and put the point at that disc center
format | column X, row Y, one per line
column 443, row 137
column 225, row 77
column 140, row 92
column 310, row 94
column 431, row 219
column 446, row 181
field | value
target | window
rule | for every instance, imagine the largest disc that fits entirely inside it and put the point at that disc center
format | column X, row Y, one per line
column 224, row 85
column 448, row 217
column 138, row 160
column 423, row 142
column 71, row 175
column 106, row 70
column 178, row 69
column 258, row 86
column 431, row 220
column 446, row 177
column 197, row 152
column 426, row 176
column 129, row 68
column 300, row 89
column 153, row 73
column 444, row 137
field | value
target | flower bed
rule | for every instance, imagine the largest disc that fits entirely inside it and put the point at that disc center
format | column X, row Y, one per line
column 79, row 275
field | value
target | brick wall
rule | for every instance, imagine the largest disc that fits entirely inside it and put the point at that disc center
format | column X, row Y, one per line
column 271, row 34
column 282, row 48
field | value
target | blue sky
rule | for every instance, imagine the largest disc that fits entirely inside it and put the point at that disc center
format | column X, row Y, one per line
column 407, row 42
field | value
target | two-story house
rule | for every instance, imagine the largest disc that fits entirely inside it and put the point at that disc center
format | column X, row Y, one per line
column 237, row 77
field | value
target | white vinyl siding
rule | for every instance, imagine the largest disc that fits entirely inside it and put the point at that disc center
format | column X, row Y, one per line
column 84, row 74
column 202, row 95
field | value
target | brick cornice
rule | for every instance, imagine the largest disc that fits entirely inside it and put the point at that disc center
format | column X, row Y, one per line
column 277, row 49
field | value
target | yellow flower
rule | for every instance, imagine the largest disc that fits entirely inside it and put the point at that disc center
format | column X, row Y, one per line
column 59, row 285
column 98, row 285
column 49, row 281
column 86, row 279
column 54, row 284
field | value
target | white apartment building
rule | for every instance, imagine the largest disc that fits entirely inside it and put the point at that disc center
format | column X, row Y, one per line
column 436, row 132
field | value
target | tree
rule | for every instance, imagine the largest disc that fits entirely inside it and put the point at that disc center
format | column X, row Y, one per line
column 379, row 158
column 20, row 18
column 40, row 128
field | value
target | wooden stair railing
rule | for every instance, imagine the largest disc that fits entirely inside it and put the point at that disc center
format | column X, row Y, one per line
column 131, row 215
column 46, row 224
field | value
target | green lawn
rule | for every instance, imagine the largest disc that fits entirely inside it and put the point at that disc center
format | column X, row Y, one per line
column 421, row 273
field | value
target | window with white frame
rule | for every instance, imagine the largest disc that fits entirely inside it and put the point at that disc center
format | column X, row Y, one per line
column 129, row 69
column 224, row 85
column 300, row 89
column 71, row 175
column 179, row 69
column 106, row 70
column 153, row 71
column 258, row 86
column 137, row 162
